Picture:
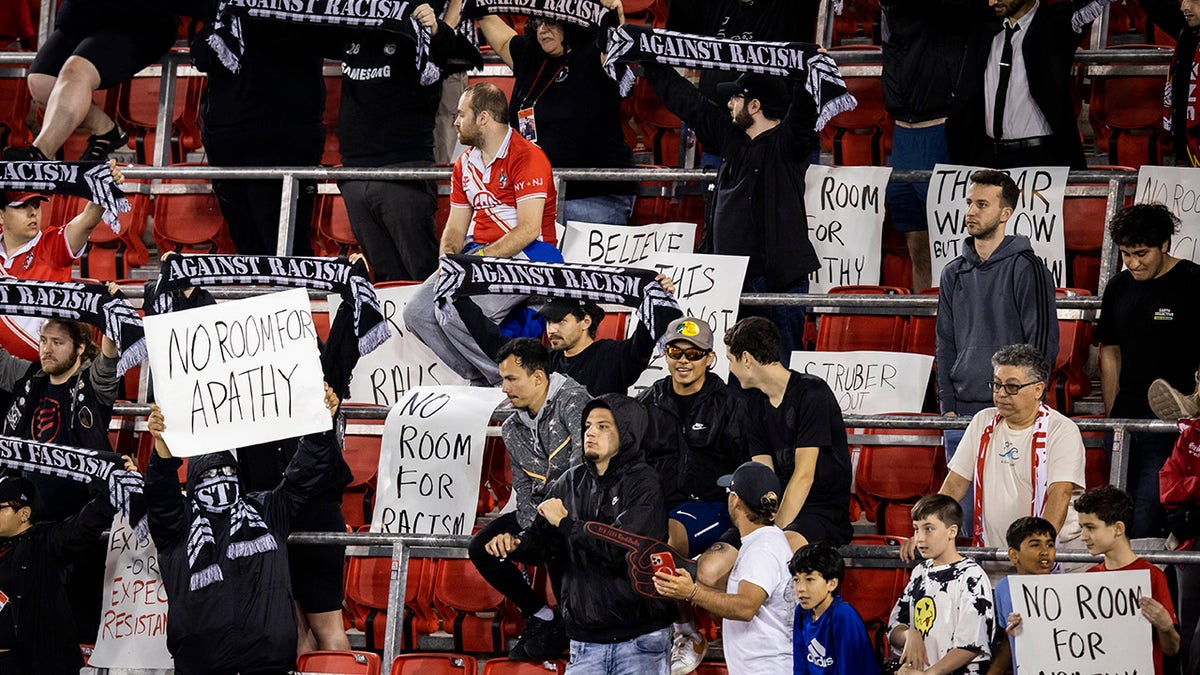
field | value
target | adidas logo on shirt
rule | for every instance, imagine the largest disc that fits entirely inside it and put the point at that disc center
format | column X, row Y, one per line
column 816, row 655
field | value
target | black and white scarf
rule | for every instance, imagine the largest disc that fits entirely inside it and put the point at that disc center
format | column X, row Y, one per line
column 799, row 60
column 394, row 16
column 92, row 181
column 582, row 13
column 82, row 466
column 630, row 286
column 77, row 301
column 179, row 272
column 248, row 535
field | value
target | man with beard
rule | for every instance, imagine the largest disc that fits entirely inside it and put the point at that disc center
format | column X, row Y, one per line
column 766, row 139
column 502, row 186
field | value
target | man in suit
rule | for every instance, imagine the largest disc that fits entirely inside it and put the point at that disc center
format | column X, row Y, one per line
column 1016, row 107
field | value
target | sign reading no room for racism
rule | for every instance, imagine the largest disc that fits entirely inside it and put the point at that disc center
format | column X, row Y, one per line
column 844, row 206
column 1039, row 214
column 237, row 373
column 431, row 460
column 1083, row 623
column 1178, row 189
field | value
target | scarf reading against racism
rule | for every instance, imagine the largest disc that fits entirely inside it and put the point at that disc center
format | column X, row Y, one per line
column 77, row 301
column 582, row 13
column 799, row 60
column 90, row 180
column 629, row 286
column 179, row 272
column 394, row 16
column 1038, row 470
column 80, row 465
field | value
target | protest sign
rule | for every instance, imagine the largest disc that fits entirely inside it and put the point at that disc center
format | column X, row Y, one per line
column 431, row 460
column 844, row 206
column 1083, row 623
column 868, row 382
column 707, row 287
column 1178, row 189
column 623, row 244
column 400, row 363
column 133, row 625
column 1038, row 215
column 237, row 373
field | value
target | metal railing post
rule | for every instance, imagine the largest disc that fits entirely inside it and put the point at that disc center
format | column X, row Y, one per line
column 397, row 587
column 167, row 86
column 1118, row 467
column 1108, row 252
column 287, row 214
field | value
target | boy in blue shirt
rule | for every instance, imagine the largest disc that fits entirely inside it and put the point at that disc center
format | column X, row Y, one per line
column 1031, row 550
column 828, row 635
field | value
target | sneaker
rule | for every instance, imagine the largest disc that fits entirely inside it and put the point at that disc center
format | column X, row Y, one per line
column 687, row 651
column 1169, row 404
column 100, row 147
column 542, row 640
column 27, row 154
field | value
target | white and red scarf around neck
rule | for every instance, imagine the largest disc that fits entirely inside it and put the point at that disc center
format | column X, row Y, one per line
column 1038, row 468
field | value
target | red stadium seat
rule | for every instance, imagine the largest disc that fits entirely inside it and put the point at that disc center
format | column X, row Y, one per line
column 434, row 664
column 495, row 485
column 361, row 452
column 873, row 591
column 1096, row 467
column 367, row 584
column 848, row 332
column 659, row 127
column 858, row 24
column 863, row 136
column 506, row 666
column 613, row 326
column 922, row 331
column 472, row 611
column 1126, row 114
column 1084, row 223
column 894, row 473
column 1069, row 381
column 14, row 108
column 331, row 227
column 332, row 155
column 711, row 668
column 343, row 662
column 190, row 223
column 137, row 114
column 113, row 255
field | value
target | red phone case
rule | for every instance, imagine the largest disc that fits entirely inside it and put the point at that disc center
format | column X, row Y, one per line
column 664, row 562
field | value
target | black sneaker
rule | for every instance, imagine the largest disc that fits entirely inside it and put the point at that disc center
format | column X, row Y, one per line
column 540, row 638
column 26, row 154
column 100, row 147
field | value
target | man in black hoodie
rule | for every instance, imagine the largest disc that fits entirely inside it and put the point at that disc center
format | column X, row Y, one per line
column 612, row 627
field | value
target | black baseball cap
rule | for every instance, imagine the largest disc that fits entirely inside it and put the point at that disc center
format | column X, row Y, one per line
column 16, row 489
column 752, row 482
column 556, row 308
column 771, row 91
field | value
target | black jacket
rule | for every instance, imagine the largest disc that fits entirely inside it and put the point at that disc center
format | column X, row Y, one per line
column 772, row 229
column 245, row 622
column 690, row 453
column 33, row 576
column 923, row 46
column 1049, row 50
column 598, row 601
column 1167, row 14
column 608, row 366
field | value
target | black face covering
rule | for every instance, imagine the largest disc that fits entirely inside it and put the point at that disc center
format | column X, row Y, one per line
column 217, row 493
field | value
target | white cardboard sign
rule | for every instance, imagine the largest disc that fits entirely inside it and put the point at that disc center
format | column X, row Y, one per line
column 1039, row 214
column 1089, row 623
column 133, row 622
column 237, row 373
column 623, row 244
column 844, row 206
column 1178, row 189
column 870, row 382
column 431, row 460
column 403, row 362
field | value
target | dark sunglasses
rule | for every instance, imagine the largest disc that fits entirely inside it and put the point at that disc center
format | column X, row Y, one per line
column 691, row 353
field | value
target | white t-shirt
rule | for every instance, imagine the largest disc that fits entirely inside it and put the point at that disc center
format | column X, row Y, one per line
column 762, row 645
column 1007, row 471
column 952, row 607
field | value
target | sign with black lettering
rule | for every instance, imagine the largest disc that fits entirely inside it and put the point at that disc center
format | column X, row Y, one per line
column 623, row 244
column 1083, row 623
column 868, row 382
column 399, row 364
column 431, row 460
column 844, row 206
column 1178, row 189
column 237, row 373
column 1038, row 215
column 707, row 287
column 133, row 619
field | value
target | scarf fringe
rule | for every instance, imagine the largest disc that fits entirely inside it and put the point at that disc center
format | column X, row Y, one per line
column 374, row 338
column 242, row 549
column 1087, row 14
column 844, row 103
column 206, row 577
column 224, row 54
column 131, row 356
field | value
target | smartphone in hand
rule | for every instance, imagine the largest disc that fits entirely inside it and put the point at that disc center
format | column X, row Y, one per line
column 663, row 562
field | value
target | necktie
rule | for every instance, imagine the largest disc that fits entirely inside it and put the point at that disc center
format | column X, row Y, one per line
column 1006, row 57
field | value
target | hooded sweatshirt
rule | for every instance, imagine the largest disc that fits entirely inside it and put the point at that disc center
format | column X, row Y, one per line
column 984, row 305
column 598, row 600
column 541, row 447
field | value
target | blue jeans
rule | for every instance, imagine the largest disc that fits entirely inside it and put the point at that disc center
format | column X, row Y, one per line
column 648, row 654
column 914, row 149
column 789, row 319
column 601, row 210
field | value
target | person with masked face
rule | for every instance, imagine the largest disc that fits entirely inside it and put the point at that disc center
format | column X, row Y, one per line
column 222, row 553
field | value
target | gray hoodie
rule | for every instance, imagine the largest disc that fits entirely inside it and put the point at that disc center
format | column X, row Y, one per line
column 984, row 305
column 542, row 447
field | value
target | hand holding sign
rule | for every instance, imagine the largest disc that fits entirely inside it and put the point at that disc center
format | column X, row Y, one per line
column 641, row 567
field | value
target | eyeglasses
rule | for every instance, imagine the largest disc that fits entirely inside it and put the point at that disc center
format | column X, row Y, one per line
column 691, row 353
column 1010, row 389
column 225, row 470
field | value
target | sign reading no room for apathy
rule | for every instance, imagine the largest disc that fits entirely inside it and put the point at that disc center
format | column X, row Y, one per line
column 844, row 206
column 431, row 460
column 1085, row 623
column 237, row 373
